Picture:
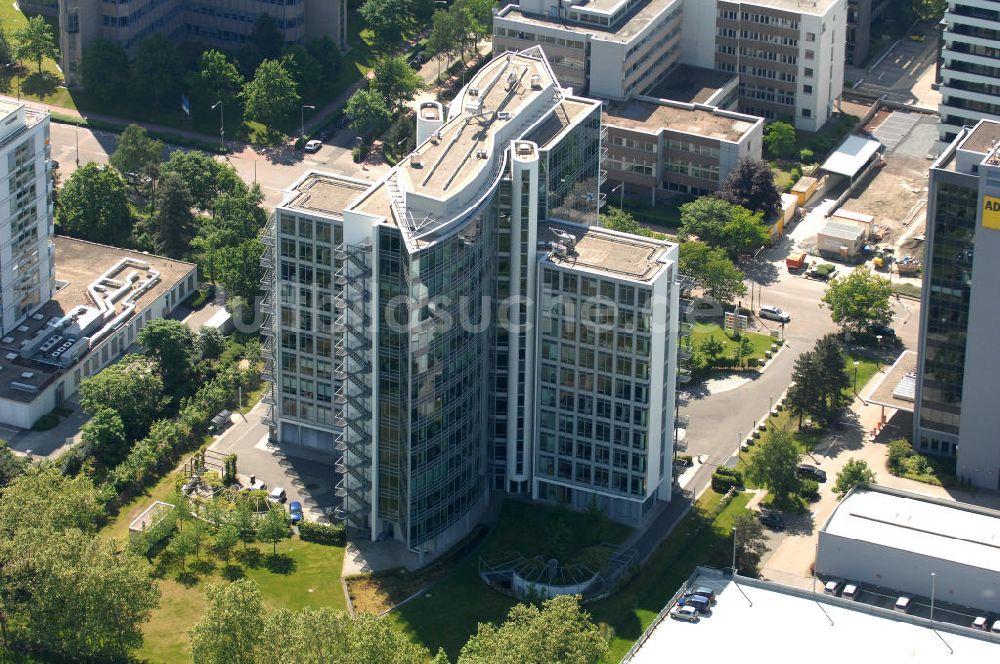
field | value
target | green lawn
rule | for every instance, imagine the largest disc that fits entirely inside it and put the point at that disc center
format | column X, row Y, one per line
column 701, row 538
column 702, row 331
column 45, row 87
column 308, row 575
column 663, row 217
column 447, row 615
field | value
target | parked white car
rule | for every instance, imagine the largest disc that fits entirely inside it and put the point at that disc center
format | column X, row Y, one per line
column 774, row 313
column 685, row 613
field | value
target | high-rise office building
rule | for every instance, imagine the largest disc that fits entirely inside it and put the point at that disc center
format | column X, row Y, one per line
column 955, row 411
column 461, row 327
column 224, row 24
column 26, row 232
column 788, row 55
column 970, row 65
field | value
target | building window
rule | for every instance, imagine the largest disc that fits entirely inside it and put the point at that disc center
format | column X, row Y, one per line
column 810, row 36
column 806, row 113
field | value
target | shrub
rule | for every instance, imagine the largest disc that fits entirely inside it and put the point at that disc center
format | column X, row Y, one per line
column 46, row 422
column 809, row 489
column 322, row 533
column 899, row 451
column 724, row 479
column 357, row 153
column 807, row 156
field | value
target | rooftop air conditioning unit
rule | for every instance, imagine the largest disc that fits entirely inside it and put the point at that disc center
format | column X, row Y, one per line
column 416, row 161
column 503, row 115
column 474, row 92
column 27, row 375
column 536, row 82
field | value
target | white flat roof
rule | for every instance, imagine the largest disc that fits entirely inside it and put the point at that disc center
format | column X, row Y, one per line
column 851, row 156
column 769, row 623
column 957, row 532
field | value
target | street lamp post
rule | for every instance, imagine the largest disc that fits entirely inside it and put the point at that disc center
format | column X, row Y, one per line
column 621, row 200
column 878, row 352
column 77, row 137
column 856, row 364
column 933, row 588
column 734, row 551
column 222, row 123
column 302, row 118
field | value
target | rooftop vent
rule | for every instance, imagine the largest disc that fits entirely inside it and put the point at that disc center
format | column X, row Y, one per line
column 474, row 92
column 503, row 115
column 11, row 356
column 23, row 328
column 480, row 154
column 523, row 150
column 8, row 340
column 416, row 161
column 37, row 317
column 28, row 375
column 536, row 82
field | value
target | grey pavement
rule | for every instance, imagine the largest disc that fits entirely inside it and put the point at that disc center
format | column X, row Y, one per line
column 897, row 74
column 49, row 443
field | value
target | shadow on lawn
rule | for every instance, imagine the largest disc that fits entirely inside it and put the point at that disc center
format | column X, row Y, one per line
column 40, row 85
column 252, row 558
column 233, row 573
column 280, row 563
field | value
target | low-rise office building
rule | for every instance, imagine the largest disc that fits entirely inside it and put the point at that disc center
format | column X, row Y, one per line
column 894, row 539
column 787, row 54
column 103, row 298
column 224, row 24
column 659, row 148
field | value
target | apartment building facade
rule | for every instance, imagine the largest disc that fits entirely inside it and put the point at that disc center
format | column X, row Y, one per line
column 861, row 14
column 658, row 149
column 970, row 65
column 223, row 24
column 26, row 280
column 788, row 54
column 425, row 381
column 955, row 410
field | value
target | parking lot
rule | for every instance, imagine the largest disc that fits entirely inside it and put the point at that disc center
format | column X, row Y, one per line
column 906, row 73
column 920, row 605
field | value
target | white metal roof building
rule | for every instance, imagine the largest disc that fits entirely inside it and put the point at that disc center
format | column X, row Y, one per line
column 761, row 621
column 895, row 539
column 851, row 156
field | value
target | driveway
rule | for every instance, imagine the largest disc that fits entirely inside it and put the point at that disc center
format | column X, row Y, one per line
column 905, row 73
column 309, row 481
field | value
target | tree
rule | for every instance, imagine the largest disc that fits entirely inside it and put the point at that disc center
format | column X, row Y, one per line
column 211, row 342
column 225, row 540
column 171, row 344
column 220, row 241
column 218, row 79
column 751, row 185
column 154, row 71
column 137, row 153
column 859, row 300
column 806, row 395
column 271, row 96
column 387, row 18
column 445, row 35
column 616, row 219
column 751, row 543
column 273, row 528
column 105, row 432
column 265, row 38
column 559, row 631
column 780, row 140
column 304, row 69
column 242, row 520
column 184, row 542
column 104, row 70
column 35, row 41
column 328, row 56
column 239, row 269
column 832, row 377
column 396, row 81
column 175, row 223
column 93, row 206
column 711, row 348
column 231, row 629
column 368, row 111
column 206, row 178
column 712, row 269
column 722, row 224
column 854, row 472
column 775, row 464
column 11, row 465
column 929, row 10
column 744, row 349
column 131, row 387
column 45, row 499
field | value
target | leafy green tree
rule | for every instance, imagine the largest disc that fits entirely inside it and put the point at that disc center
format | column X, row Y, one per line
column 155, row 73
column 774, row 465
column 854, row 472
column 43, row 498
column 137, row 153
column 238, row 220
column 325, row 636
column 174, row 220
column 833, row 379
column 368, row 111
column 712, row 269
column 751, row 543
column 722, row 224
column 396, row 81
column 711, row 348
column 184, row 542
column 104, row 70
column 929, row 10
column 445, row 38
column 386, row 18
column 899, row 451
column 35, row 41
column 751, row 185
column 225, row 540
column 106, row 433
column 273, row 528
column 171, row 344
column 780, row 140
column 239, row 270
column 11, row 465
column 271, row 96
column 211, row 342
column 328, row 56
column 616, row 219
column 131, row 387
column 859, row 300
column 206, row 178
column 243, row 521
column 218, row 79
column 744, row 349
column 558, row 631
column 230, row 631
column 93, row 206
column 806, row 396
column 305, row 70
column 265, row 41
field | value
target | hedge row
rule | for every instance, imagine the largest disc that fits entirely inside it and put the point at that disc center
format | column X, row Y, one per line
column 724, row 479
column 322, row 533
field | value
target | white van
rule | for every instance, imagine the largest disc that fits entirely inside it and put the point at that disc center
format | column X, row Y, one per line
column 774, row 313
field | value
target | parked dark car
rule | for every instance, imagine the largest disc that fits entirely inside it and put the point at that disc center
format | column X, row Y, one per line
column 220, row 422
column 699, row 602
column 809, row 471
column 295, row 511
column 771, row 520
